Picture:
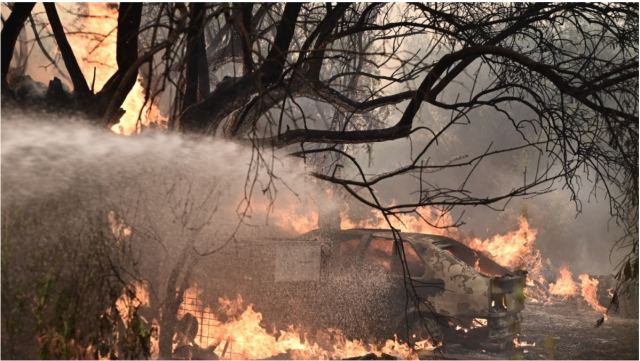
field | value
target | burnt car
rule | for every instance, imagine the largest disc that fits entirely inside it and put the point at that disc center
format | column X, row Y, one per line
column 470, row 295
column 353, row 280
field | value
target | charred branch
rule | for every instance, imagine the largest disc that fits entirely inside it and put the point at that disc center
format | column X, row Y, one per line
column 233, row 93
column 118, row 86
column 321, row 36
column 80, row 86
column 196, row 67
column 275, row 61
column 241, row 14
column 10, row 30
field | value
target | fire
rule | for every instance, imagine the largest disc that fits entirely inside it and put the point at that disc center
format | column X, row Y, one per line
column 242, row 336
column 516, row 250
column 428, row 220
column 296, row 219
column 513, row 249
column 564, row 286
column 519, row 344
column 299, row 218
column 97, row 53
column 589, row 291
column 134, row 297
column 476, row 264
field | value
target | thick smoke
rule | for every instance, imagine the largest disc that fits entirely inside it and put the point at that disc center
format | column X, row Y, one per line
column 582, row 240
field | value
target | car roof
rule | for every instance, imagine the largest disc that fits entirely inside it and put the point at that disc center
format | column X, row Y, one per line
column 422, row 242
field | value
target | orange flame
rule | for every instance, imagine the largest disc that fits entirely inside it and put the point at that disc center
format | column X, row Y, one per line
column 243, row 337
column 296, row 219
column 516, row 250
column 135, row 296
column 301, row 218
column 512, row 249
column 427, row 220
column 564, row 286
column 98, row 53
column 589, row 291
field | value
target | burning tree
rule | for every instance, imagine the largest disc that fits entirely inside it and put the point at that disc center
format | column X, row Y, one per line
column 563, row 77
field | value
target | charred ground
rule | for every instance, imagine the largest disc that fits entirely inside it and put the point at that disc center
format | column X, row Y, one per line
column 565, row 331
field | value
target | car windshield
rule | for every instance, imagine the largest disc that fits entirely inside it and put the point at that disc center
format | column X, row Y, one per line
column 480, row 262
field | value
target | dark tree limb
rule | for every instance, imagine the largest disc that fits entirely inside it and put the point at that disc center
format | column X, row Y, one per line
column 194, row 36
column 80, row 86
column 274, row 63
column 203, row 68
column 529, row 16
column 232, row 94
column 43, row 49
column 242, row 20
column 119, row 85
column 10, row 32
column 427, row 93
column 218, row 54
column 324, row 29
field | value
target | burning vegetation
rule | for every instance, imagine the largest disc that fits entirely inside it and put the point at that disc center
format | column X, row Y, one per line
column 243, row 336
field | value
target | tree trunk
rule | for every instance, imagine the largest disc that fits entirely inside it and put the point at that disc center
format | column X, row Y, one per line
column 167, row 327
column 172, row 301
column 118, row 86
column 241, row 14
column 194, row 36
column 80, row 87
column 205, row 116
column 10, row 32
column 203, row 69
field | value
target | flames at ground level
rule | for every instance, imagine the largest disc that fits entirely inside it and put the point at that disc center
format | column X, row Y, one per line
column 234, row 330
column 242, row 336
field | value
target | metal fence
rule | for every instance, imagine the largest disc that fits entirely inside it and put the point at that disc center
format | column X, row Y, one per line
column 206, row 319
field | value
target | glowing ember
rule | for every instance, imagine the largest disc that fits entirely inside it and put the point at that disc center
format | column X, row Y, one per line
column 589, row 291
column 519, row 344
column 564, row 286
column 119, row 229
column 243, row 337
column 475, row 323
column 479, row 322
column 476, row 265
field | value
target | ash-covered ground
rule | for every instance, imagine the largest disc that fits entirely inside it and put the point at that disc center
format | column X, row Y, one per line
column 565, row 331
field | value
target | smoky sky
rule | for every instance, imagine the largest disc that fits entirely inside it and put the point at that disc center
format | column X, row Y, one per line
column 581, row 240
